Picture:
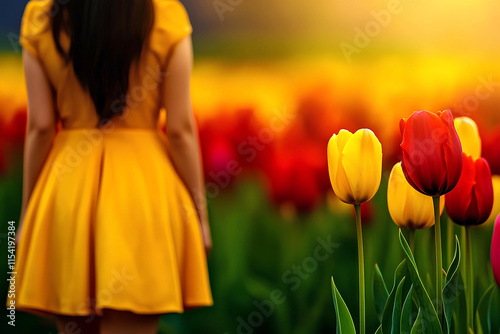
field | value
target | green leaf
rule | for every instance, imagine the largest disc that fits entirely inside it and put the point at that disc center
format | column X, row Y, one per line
column 427, row 318
column 396, row 312
column 429, row 284
column 389, row 305
column 345, row 325
column 379, row 330
column 482, row 308
column 387, row 315
column 380, row 293
column 406, row 314
column 451, row 287
column 401, row 271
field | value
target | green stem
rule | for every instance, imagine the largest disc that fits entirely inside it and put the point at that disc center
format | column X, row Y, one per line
column 439, row 257
column 463, row 250
column 450, row 240
column 470, row 282
column 412, row 240
column 361, row 265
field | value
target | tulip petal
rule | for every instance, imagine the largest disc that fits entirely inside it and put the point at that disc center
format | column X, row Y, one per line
column 483, row 190
column 472, row 212
column 344, row 191
column 452, row 152
column 408, row 208
column 342, row 139
column 396, row 195
column 402, row 125
column 459, row 199
column 338, row 178
column 407, row 176
column 469, row 136
column 362, row 162
column 495, row 251
column 496, row 198
column 333, row 161
column 423, row 154
column 420, row 210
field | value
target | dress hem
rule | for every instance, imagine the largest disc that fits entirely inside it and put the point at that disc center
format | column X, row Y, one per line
column 48, row 312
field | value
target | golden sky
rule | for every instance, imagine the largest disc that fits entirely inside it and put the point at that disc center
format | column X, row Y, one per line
column 464, row 26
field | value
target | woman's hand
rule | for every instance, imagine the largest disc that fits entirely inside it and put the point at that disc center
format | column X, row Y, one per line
column 207, row 237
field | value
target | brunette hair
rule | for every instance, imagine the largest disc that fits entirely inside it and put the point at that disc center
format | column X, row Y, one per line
column 106, row 37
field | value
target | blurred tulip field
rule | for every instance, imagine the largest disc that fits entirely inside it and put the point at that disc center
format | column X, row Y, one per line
column 271, row 84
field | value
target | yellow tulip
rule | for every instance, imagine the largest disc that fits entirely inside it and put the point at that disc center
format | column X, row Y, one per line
column 469, row 136
column 496, row 199
column 409, row 208
column 355, row 165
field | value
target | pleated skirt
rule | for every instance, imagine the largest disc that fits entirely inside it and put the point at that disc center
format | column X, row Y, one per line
column 110, row 225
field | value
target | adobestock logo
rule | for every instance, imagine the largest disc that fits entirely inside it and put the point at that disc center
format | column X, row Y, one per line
column 364, row 35
column 485, row 88
column 222, row 6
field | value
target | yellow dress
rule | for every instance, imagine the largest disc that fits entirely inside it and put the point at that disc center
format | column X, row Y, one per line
column 109, row 224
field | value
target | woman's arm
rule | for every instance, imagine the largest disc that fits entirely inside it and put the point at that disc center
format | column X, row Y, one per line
column 40, row 128
column 182, row 132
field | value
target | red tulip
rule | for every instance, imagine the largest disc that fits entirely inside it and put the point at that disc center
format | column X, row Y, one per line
column 471, row 201
column 495, row 251
column 2, row 160
column 432, row 153
column 291, row 175
column 218, row 155
column 16, row 128
column 491, row 151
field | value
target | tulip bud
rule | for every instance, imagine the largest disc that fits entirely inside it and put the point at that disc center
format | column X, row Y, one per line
column 495, row 251
column 432, row 153
column 409, row 208
column 469, row 136
column 471, row 201
column 355, row 165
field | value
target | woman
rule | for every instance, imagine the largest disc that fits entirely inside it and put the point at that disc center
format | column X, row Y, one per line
column 114, row 228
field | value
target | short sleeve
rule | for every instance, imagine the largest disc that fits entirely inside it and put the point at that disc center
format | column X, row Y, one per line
column 177, row 21
column 172, row 24
column 34, row 24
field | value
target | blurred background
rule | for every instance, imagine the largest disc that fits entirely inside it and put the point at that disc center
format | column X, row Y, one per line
column 272, row 81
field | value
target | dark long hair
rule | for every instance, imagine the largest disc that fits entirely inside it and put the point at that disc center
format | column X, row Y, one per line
column 106, row 37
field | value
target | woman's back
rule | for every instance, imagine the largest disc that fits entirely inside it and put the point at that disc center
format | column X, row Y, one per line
column 74, row 104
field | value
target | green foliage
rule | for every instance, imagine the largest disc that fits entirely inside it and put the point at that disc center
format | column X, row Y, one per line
column 396, row 311
column 380, row 293
column 494, row 311
column 481, row 316
column 407, row 314
column 256, row 249
column 409, row 296
column 388, row 311
column 451, row 288
column 387, row 317
column 345, row 325
column 427, row 318
column 460, row 308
